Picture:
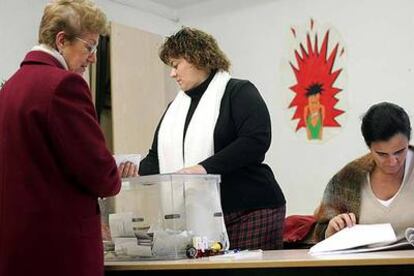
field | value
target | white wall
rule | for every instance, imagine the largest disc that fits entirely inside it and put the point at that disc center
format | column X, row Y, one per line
column 379, row 38
column 19, row 23
column 134, row 17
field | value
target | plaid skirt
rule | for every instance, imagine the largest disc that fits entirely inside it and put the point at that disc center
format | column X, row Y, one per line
column 256, row 229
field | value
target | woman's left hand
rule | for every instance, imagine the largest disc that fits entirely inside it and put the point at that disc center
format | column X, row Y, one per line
column 197, row 169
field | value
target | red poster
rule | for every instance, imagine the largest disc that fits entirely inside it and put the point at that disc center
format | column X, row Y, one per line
column 317, row 82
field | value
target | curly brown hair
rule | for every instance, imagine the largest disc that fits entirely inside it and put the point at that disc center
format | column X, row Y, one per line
column 195, row 46
column 74, row 17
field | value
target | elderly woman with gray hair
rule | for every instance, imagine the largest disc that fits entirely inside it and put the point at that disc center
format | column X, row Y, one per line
column 53, row 160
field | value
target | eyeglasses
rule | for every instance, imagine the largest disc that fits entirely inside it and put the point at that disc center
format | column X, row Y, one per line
column 91, row 48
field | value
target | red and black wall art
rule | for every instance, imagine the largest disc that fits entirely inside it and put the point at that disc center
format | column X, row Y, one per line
column 317, row 65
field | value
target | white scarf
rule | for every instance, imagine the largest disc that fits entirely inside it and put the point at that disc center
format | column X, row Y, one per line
column 49, row 50
column 199, row 140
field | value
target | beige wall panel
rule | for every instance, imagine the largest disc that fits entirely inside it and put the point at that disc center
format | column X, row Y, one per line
column 141, row 88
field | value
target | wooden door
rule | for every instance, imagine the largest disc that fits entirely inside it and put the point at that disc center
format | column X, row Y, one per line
column 140, row 88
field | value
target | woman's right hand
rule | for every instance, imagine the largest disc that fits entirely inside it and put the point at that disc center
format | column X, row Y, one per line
column 339, row 222
column 128, row 169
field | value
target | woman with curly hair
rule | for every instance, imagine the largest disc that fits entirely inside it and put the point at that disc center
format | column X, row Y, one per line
column 219, row 125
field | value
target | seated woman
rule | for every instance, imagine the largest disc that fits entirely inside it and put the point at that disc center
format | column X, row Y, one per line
column 379, row 186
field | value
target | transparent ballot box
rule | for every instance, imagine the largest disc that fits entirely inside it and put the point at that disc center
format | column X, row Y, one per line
column 160, row 216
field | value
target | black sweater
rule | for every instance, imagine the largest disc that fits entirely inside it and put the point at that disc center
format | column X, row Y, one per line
column 242, row 136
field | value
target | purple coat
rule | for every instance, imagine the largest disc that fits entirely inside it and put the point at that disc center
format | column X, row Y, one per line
column 53, row 166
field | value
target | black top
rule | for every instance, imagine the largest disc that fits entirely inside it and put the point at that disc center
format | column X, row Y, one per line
column 242, row 136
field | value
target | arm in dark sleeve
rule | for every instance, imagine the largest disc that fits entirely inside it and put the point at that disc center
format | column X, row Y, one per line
column 253, row 132
column 149, row 165
column 78, row 140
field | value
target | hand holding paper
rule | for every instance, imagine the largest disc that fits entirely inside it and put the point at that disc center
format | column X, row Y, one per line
column 339, row 222
column 128, row 164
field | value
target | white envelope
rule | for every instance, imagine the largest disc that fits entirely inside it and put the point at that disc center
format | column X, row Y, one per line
column 122, row 158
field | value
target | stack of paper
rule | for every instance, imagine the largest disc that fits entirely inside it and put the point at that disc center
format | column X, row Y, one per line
column 359, row 238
